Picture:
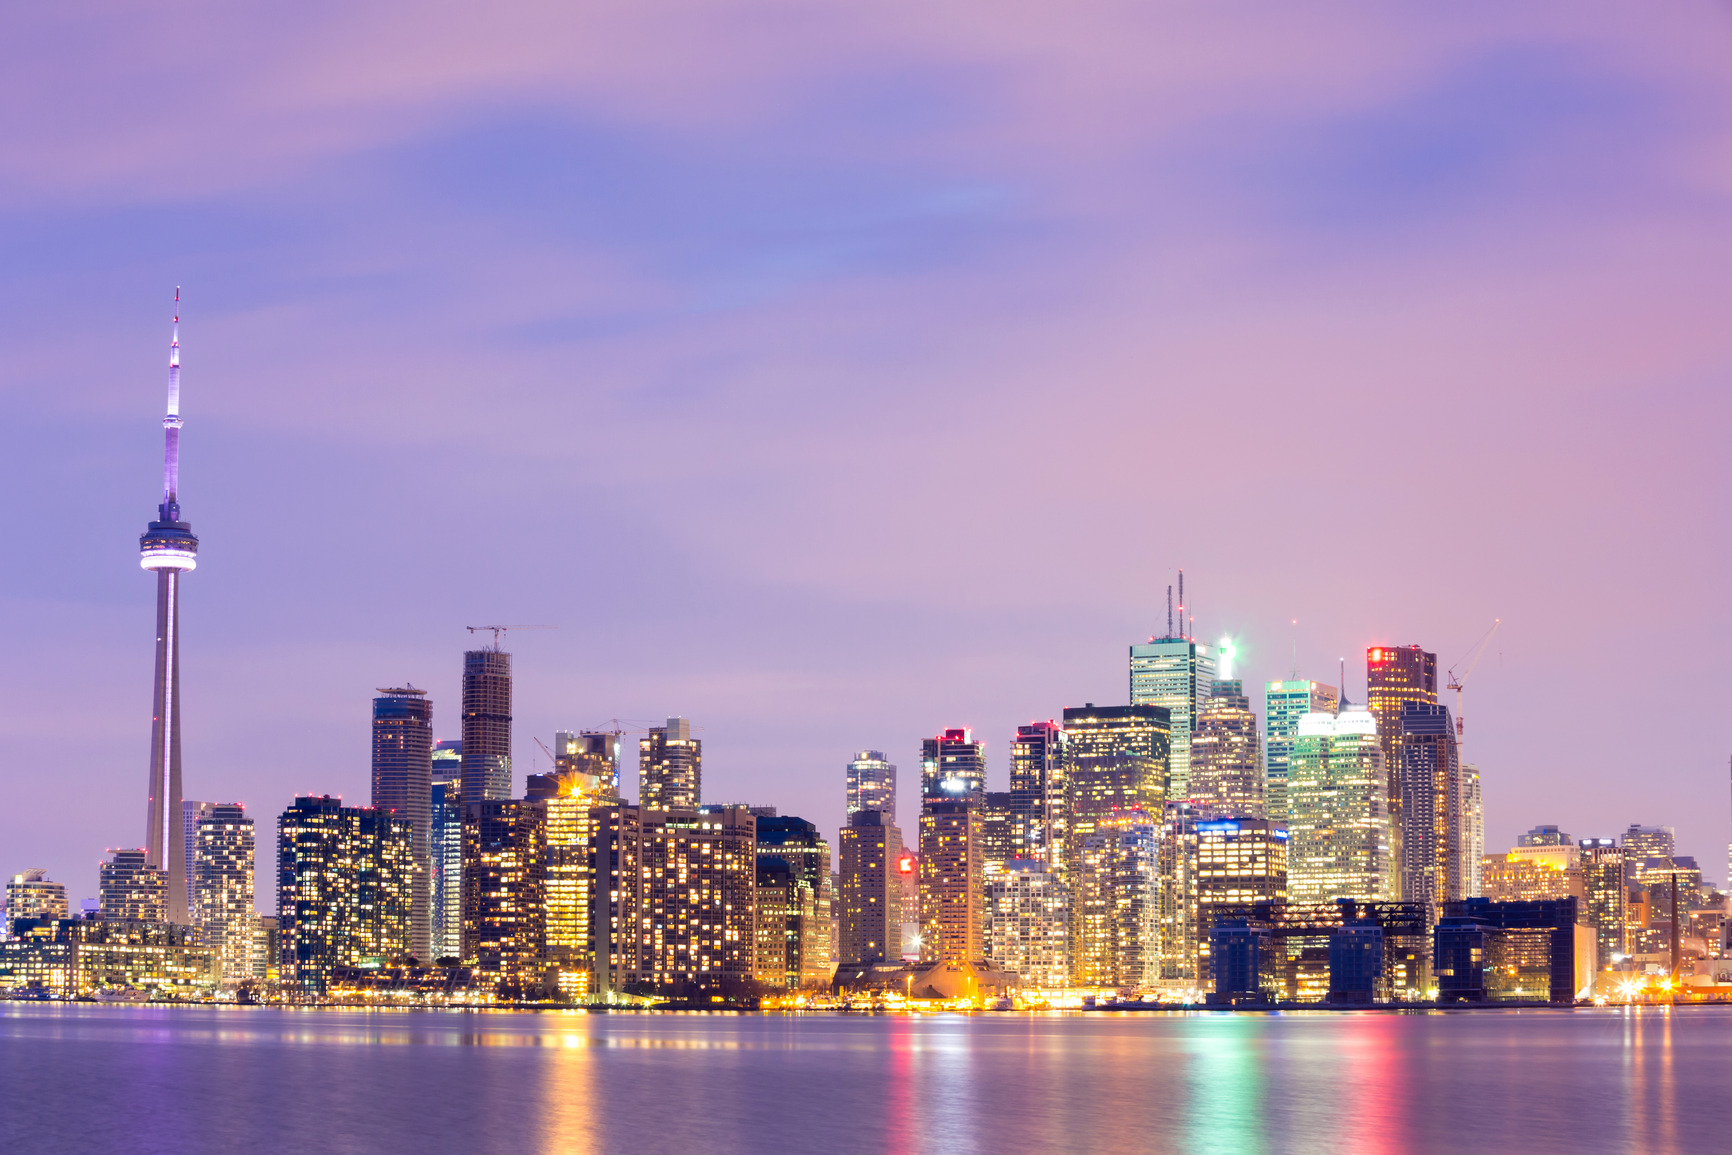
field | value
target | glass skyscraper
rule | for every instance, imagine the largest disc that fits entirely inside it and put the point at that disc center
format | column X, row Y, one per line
column 1039, row 757
column 670, row 767
column 486, row 725
column 1227, row 756
column 871, row 784
column 1284, row 703
column 445, row 850
column 1177, row 674
column 1337, row 810
column 403, row 785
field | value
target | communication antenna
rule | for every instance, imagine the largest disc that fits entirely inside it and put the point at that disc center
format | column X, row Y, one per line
column 1169, row 609
column 1341, row 698
column 1182, row 604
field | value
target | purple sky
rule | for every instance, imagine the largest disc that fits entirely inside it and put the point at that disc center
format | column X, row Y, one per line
column 831, row 374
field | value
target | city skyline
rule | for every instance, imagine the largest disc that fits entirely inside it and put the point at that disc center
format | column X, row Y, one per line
column 749, row 376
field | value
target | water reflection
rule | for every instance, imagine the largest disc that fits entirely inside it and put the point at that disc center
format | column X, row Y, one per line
column 1226, row 1085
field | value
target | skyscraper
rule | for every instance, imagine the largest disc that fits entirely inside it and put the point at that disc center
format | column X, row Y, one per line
column 797, row 843
column 952, row 765
column 486, row 725
column 403, row 785
column 670, row 767
column 1605, row 895
column 1039, row 755
column 952, row 873
column 871, row 784
column 1432, row 830
column 1115, row 901
column 1227, row 756
column 223, row 879
column 168, row 548
column 1284, row 703
column 1177, row 673
column 1028, row 924
column 445, row 847
column 342, row 889
column 1239, row 861
column 587, row 762
column 504, row 892
column 871, row 892
column 1473, row 830
column 132, row 888
column 1337, row 810
column 1395, row 676
column 1117, row 760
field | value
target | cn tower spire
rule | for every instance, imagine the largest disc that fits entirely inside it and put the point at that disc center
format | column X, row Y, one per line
column 168, row 549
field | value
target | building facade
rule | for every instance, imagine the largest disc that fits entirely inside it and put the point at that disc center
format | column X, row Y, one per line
column 30, row 894
column 403, row 786
column 1395, row 676
column 1040, row 819
column 1337, row 811
column 343, row 890
column 504, row 894
column 1178, row 675
column 445, row 853
column 1284, row 703
column 588, row 762
column 1028, row 924
column 952, row 765
column 131, row 889
column 1239, row 861
column 1227, row 756
column 1604, row 896
column 870, row 926
column 223, row 880
column 871, row 784
column 1115, row 894
column 486, row 725
column 671, row 767
column 952, row 879
column 1433, row 835
column 808, row 895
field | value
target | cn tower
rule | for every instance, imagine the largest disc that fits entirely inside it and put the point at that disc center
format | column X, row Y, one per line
column 168, row 547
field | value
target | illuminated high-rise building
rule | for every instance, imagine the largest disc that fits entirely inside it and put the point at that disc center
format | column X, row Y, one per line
column 1338, row 811
column 1395, row 676
column 671, row 767
column 445, row 850
column 1028, row 924
column 1284, row 703
column 1117, row 760
column 131, row 888
column 1040, row 818
column 1473, row 831
column 997, row 831
column 1432, row 833
column 1239, row 861
column 1176, row 865
column 872, row 784
column 343, row 896
column 504, row 893
column 1177, row 674
column 31, row 894
column 1114, row 886
column 190, row 813
column 952, row 765
column 1227, row 756
column 568, row 893
column 486, row 725
column 808, row 895
column 587, row 763
column 871, row 892
column 403, row 785
column 952, row 874
column 168, row 549
column 1647, row 847
column 223, row 880
column 1604, row 895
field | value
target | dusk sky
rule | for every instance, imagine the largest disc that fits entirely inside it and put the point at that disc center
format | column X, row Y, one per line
column 834, row 373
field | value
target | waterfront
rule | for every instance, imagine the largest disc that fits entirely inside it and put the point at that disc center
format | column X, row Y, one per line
column 196, row 1079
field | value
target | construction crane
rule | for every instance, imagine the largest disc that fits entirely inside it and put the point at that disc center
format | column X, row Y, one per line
column 1456, row 683
column 499, row 631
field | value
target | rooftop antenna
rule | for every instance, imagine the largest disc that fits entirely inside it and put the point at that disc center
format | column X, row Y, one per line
column 1341, row 698
column 1182, row 603
column 1169, row 609
column 1295, row 649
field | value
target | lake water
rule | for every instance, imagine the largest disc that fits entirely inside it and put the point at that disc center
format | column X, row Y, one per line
column 195, row 1079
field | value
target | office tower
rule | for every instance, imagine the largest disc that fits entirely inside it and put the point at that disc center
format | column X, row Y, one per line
column 677, row 913
column 504, row 900
column 1176, row 867
column 953, row 765
column 1114, row 883
column 403, row 785
column 1178, row 674
column 587, row 764
column 445, row 850
column 1473, row 831
column 1544, row 836
column 997, row 831
column 1118, row 760
column 1604, row 895
column 131, row 888
column 1645, row 847
column 168, row 548
column 797, row 844
column 1039, row 755
column 486, row 725
column 223, row 888
column 871, row 891
column 343, row 897
column 1227, row 756
column 670, row 767
column 952, row 870
column 1284, row 703
column 908, row 879
column 1028, row 924
column 1431, row 835
column 1395, row 676
column 871, row 784
column 30, row 894
column 190, row 813
column 1530, row 874
column 1337, row 810
column 1239, row 861
column 568, row 895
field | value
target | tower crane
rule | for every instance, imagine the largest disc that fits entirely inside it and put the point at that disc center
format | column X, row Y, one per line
column 499, row 631
column 1456, row 683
